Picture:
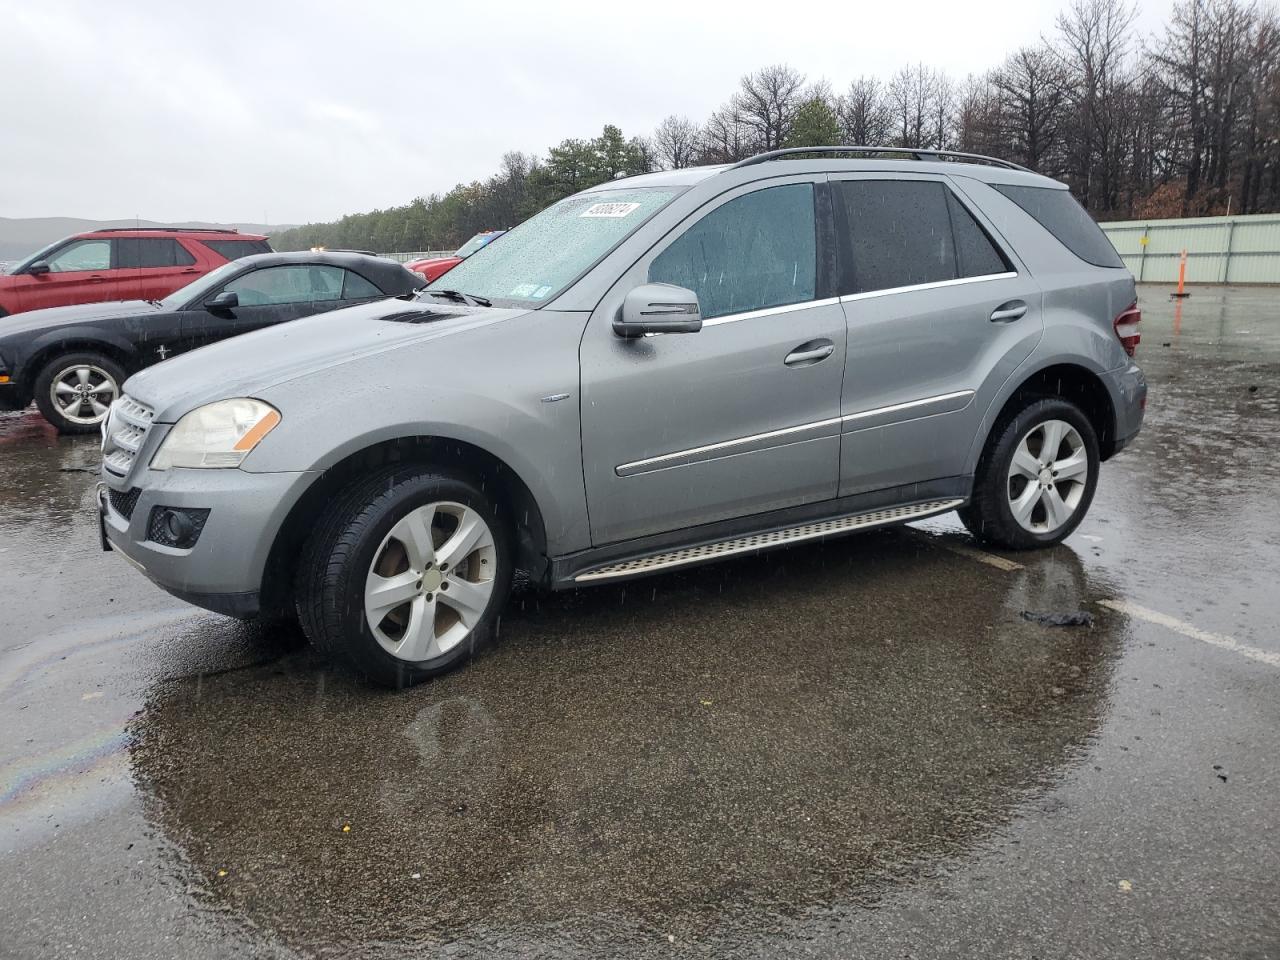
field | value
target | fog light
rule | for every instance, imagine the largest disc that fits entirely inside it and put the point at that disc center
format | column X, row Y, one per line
column 176, row 526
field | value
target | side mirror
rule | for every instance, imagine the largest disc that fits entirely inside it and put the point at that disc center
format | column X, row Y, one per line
column 226, row 300
column 38, row 269
column 658, row 308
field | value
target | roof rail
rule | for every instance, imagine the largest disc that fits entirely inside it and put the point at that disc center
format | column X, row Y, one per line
column 915, row 153
column 165, row 229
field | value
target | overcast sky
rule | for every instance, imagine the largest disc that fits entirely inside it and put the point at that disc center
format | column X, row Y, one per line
column 294, row 112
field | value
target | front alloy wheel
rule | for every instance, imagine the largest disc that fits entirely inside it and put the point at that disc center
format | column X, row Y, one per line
column 75, row 391
column 406, row 574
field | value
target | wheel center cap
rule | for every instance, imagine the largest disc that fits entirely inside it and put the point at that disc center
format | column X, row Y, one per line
column 431, row 580
column 1046, row 476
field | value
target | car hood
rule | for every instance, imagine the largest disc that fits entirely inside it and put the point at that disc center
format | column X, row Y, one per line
column 245, row 365
column 35, row 320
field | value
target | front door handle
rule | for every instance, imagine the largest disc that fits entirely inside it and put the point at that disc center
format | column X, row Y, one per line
column 1009, row 312
column 809, row 353
column 97, row 279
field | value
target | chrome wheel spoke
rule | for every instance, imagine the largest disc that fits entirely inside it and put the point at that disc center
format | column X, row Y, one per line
column 1024, row 462
column 472, row 533
column 106, row 385
column 82, row 374
column 384, row 594
column 1056, row 511
column 1074, row 467
column 414, row 532
column 1052, row 431
column 1025, row 503
column 99, row 408
column 65, row 389
column 419, row 639
column 467, row 599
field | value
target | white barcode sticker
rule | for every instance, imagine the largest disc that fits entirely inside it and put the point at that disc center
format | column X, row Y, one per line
column 609, row 209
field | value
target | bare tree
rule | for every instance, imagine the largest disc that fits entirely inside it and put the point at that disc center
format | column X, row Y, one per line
column 1032, row 86
column 725, row 138
column 766, row 104
column 913, row 103
column 863, row 113
column 675, row 142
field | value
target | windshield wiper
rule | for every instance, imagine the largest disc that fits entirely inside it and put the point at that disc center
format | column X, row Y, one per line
column 457, row 296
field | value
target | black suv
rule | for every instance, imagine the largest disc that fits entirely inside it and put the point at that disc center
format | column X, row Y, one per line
column 72, row 360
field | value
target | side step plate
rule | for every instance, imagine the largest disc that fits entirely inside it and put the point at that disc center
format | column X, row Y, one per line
column 756, row 542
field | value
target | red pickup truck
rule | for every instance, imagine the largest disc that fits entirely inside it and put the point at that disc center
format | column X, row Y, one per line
column 433, row 267
column 145, row 263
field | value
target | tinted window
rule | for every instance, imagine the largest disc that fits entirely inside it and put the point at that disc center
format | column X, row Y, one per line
column 900, row 233
column 82, row 255
column 292, row 284
column 356, row 287
column 1059, row 213
column 755, row 251
column 134, row 252
column 976, row 254
column 235, row 249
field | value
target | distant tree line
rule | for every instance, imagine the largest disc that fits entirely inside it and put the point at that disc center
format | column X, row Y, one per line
column 1185, row 122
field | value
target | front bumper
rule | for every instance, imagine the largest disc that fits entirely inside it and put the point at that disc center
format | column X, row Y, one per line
column 9, row 397
column 223, row 571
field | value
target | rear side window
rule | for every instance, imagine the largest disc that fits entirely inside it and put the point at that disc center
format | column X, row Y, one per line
column 1059, row 213
column 273, row 286
column 754, row 252
column 356, row 287
column 908, row 232
column 235, row 249
column 136, row 252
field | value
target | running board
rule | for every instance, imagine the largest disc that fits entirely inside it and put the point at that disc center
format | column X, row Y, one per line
column 756, row 542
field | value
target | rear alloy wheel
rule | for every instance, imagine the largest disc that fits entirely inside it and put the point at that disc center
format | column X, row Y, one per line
column 407, row 576
column 75, row 391
column 1036, row 478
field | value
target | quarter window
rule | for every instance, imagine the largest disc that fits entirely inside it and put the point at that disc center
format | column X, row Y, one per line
column 82, row 255
column 908, row 232
column 235, row 249
column 292, row 284
column 356, row 287
column 1059, row 213
column 753, row 252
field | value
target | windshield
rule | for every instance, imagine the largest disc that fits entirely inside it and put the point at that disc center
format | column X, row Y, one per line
column 474, row 244
column 198, row 288
column 540, row 257
column 38, row 255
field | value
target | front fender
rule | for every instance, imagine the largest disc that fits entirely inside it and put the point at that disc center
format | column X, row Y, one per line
column 77, row 338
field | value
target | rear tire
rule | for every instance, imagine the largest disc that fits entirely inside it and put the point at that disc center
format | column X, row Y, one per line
column 74, row 390
column 1026, row 495
column 406, row 576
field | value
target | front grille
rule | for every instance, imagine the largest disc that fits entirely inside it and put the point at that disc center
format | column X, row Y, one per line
column 123, row 434
column 124, row 501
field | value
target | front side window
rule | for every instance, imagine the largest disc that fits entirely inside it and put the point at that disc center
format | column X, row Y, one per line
column 82, row 255
column 753, row 252
column 303, row 283
column 546, row 253
column 908, row 232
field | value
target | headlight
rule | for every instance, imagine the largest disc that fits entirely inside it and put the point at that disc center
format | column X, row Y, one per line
column 216, row 435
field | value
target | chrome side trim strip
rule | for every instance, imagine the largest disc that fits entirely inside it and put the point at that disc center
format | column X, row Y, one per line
column 726, row 447
column 935, row 285
column 770, row 311
column 757, row 542
column 695, row 453
column 909, row 405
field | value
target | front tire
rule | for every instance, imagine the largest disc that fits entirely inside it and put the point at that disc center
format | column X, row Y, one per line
column 1036, row 478
column 406, row 577
column 75, row 390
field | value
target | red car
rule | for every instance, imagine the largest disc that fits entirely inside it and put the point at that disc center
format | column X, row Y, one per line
column 120, row 264
column 434, row 267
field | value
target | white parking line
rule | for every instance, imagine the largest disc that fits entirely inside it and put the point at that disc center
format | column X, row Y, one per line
column 990, row 559
column 1188, row 630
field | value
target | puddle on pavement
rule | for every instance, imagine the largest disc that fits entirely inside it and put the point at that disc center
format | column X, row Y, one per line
column 708, row 752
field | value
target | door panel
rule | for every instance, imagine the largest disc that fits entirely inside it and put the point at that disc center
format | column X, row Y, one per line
column 80, row 272
column 684, row 429
column 925, row 358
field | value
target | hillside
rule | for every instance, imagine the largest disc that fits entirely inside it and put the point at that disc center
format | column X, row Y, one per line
column 21, row 236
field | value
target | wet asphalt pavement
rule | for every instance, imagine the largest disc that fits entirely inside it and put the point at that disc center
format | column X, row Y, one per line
column 856, row 749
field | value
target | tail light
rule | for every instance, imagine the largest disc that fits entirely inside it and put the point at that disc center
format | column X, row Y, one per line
column 1127, row 328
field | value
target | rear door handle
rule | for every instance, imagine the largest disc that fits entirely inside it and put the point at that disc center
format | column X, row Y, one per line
column 1008, row 312
column 809, row 353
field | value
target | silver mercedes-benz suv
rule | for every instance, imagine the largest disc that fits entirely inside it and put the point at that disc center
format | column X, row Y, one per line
column 657, row 372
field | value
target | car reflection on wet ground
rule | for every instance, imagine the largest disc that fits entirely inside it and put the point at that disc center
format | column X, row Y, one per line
column 859, row 748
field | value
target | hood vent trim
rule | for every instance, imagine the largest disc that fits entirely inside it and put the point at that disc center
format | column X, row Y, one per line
column 423, row 316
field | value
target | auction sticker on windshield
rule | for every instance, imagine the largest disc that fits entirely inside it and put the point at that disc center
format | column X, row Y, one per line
column 609, row 209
